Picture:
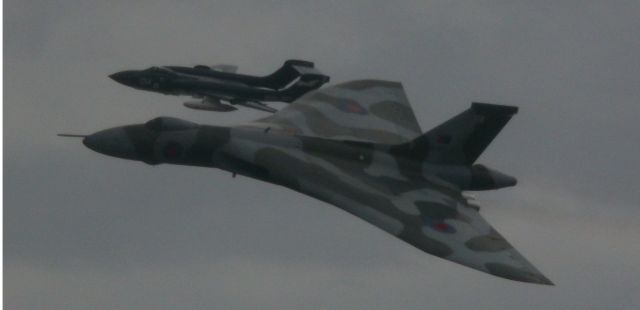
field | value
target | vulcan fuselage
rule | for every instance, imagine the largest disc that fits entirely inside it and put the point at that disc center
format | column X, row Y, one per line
column 252, row 151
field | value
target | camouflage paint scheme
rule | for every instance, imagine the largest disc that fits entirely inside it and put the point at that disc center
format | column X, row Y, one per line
column 358, row 146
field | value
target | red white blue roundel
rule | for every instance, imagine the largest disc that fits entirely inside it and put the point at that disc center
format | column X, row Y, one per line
column 352, row 107
column 172, row 150
column 440, row 225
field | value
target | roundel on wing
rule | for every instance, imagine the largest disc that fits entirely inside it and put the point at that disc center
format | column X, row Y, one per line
column 173, row 150
column 352, row 107
column 440, row 225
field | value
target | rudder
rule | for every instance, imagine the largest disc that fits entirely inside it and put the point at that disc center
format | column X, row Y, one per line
column 461, row 139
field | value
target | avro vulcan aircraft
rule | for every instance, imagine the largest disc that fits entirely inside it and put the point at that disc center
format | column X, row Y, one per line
column 221, row 89
column 357, row 146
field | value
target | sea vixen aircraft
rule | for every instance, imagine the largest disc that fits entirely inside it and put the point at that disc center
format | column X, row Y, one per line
column 222, row 89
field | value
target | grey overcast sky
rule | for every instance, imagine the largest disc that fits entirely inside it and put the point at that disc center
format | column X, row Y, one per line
column 85, row 231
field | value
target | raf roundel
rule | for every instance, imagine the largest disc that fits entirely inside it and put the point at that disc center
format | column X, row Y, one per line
column 352, row 107
column 440, row 226
column 172, row 150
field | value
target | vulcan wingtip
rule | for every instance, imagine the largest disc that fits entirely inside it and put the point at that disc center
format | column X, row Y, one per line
column 545, row 281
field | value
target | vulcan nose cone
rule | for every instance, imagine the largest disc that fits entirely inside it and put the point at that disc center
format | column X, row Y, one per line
column 124, row 77
column 113, row 142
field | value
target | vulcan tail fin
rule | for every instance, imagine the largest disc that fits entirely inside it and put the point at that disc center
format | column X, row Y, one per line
column 461, row 139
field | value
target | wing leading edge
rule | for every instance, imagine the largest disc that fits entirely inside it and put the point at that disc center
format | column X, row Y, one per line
column 363, row 110
column 439, row 224
column 431, row 215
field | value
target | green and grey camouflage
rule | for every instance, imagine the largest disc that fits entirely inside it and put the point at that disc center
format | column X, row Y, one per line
column 358, row 146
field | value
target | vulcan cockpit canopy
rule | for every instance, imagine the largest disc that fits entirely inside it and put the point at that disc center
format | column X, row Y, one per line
column 169, row 124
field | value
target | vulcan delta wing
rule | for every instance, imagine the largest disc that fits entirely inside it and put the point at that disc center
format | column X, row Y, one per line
column 357, row 146
column 404, row 183
column 365, row 110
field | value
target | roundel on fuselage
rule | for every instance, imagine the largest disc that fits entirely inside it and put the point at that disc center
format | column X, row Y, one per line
column 172, row 150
